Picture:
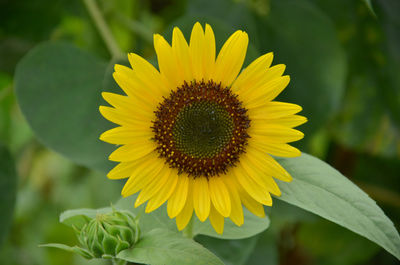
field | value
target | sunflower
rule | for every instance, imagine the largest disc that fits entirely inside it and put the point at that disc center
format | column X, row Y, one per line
column 197, row 134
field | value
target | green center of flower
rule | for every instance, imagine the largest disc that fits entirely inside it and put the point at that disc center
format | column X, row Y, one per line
column 202, row 129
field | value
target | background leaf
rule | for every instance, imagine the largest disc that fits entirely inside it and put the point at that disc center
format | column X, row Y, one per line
column 231, row 252
column 163, row 247
column 313, row 55
column 8, row 186
column 321, row 189
column 58, row 89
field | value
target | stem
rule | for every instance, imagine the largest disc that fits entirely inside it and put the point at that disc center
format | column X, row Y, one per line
column 103, row 28
column 136, row 27
column 188, row 231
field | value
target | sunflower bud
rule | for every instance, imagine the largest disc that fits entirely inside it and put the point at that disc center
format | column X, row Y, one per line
column 108, row 234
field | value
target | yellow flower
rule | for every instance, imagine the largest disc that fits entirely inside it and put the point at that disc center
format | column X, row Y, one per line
column 196, row 133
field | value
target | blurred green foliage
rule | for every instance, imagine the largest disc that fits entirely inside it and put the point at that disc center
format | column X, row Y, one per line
column 344, row 61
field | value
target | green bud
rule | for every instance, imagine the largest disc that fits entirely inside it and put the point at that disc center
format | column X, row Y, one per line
column 108, row 234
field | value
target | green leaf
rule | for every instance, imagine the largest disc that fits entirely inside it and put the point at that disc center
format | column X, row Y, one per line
column 79, row 217
column 304, row 39
column 325, row 239
column 266, row 250
column 83, row 252
column 57, row 245
column 8, row 186
column 253, row 225
column 320, row 189
column 231, row 252
column 58, row 88
column 163, row 247
column 368, row 3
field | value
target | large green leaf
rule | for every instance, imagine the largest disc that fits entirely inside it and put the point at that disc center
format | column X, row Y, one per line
column 163, row 247
column 304, row 39
column 325, row 239
column 231, row 252
column 58, row 89
column 8, row 186
column 266, row 250
column 319, row 188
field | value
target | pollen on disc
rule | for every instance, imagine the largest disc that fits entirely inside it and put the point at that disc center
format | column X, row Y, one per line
column 201, row 129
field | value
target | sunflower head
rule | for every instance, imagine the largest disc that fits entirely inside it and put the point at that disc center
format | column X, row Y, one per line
column 197, row 134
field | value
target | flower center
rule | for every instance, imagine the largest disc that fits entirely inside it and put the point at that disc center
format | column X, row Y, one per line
column 200, row 129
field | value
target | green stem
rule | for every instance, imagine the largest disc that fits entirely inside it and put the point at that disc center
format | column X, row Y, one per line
column 136, row 27
column 103, row 28
column 188, row 231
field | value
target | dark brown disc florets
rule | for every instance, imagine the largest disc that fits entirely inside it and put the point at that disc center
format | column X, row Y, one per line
column 201, row 129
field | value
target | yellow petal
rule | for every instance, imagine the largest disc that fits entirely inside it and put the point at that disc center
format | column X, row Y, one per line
column 267, row 92
column 126, row 135
column 142, row 175
column 217, row 220
column 252, row 205
column 252, row 74
column 197, row 51
column 185, row 215
column 230, row 59
column 220, row 196
column 167, row 63
column 262, row 178
column 275, row 149
column 273, row 110
column 288, row 121
column 149, row 75
column 267, row 163
column 237, row 211
column 258, row 192
column 178, row 198
column 122, row 170
column 201, row 198
column 209, row 57
column 274, row 133
column 123, row 118
column 126, row 104
column 165, row 193
column 153, row 187
column 130, row 152
column 180, row 50
column 134, row 87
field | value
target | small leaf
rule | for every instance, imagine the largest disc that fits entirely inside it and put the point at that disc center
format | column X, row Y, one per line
column 8, row 186
column 83, row 252
column 79, row 217
column 319, row 188
column 163, row 247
